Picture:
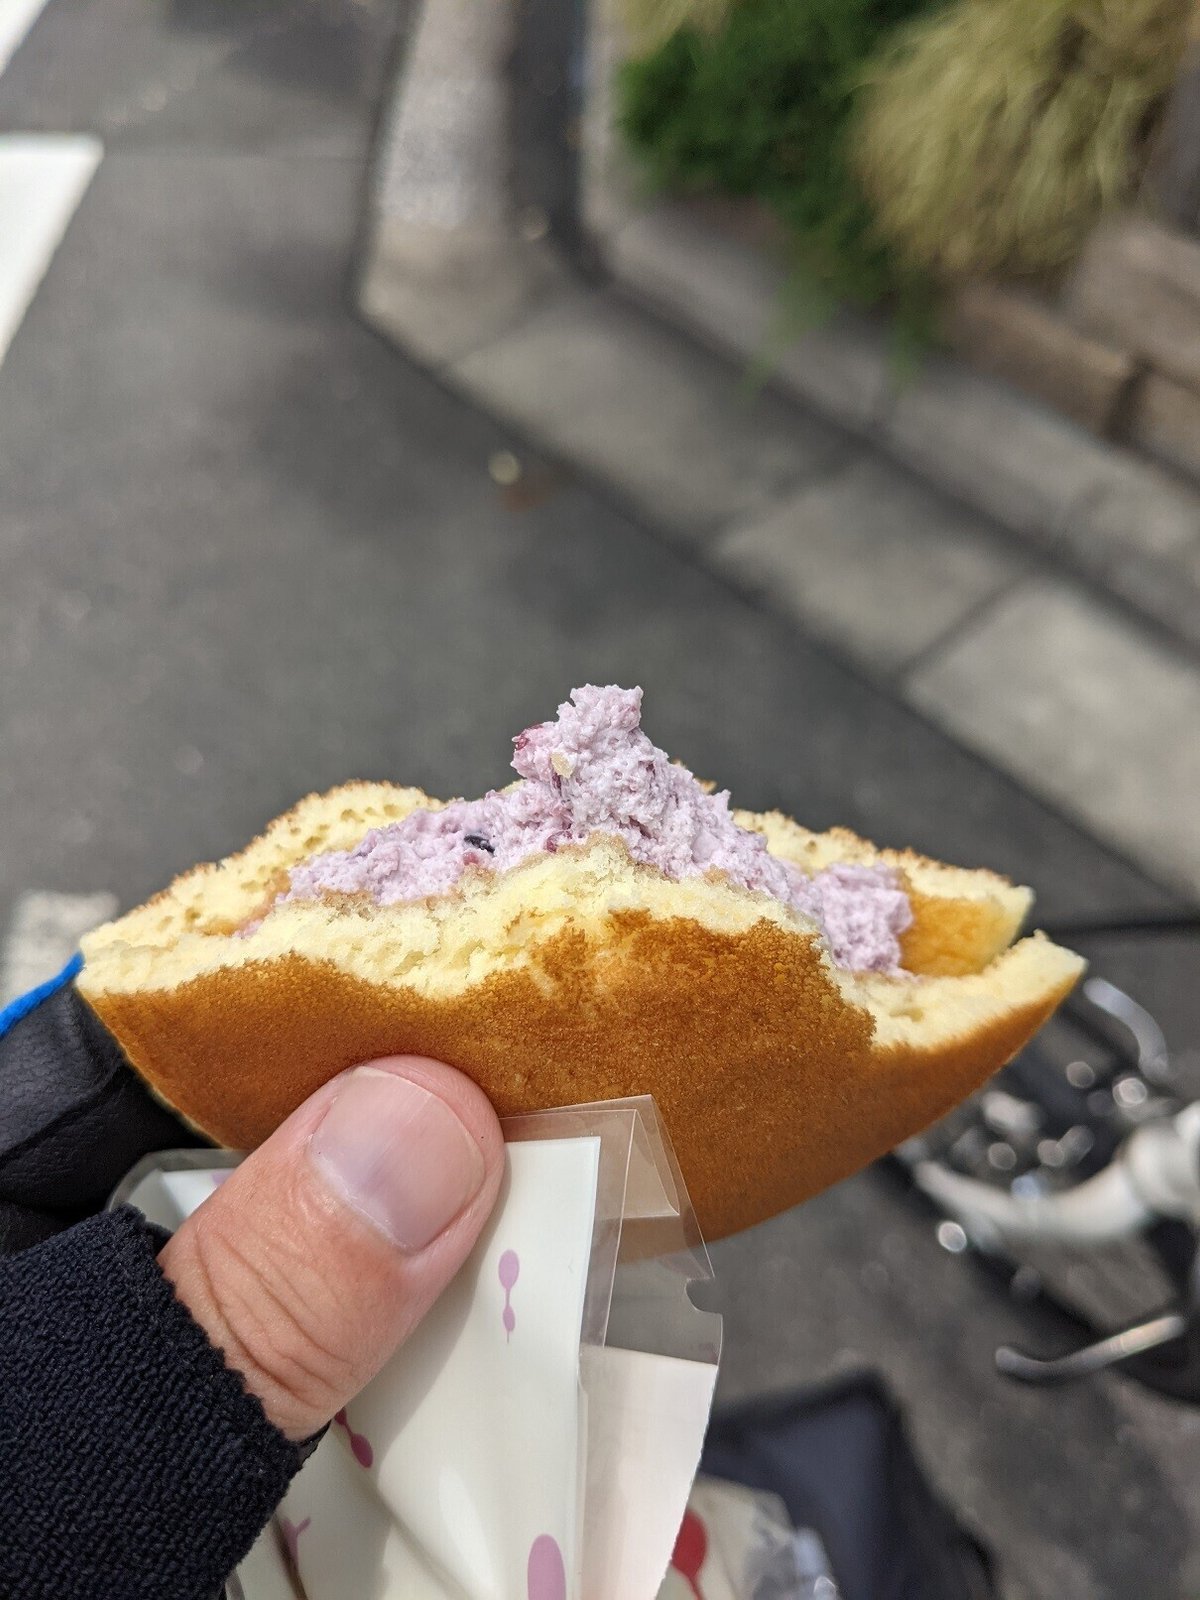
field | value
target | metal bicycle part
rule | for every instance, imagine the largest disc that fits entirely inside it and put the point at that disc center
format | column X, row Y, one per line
column 1075, row 1179
column 1153, row 1059
column 1156, row 1173
column 1163, row 1351
column 1092, row 1358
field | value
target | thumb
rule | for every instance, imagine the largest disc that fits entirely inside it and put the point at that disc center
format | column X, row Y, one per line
column 318, row 1256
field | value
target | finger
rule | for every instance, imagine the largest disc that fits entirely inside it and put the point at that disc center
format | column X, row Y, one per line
column 318, row 1256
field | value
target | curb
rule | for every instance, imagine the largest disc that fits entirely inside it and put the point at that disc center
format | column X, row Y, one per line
column 1119, row 521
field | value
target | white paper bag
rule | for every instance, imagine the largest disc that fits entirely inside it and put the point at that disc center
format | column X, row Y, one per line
column 537, row 1436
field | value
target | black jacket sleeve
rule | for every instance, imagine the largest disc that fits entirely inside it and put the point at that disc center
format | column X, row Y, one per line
column 134, row 1464
column 74, row 1116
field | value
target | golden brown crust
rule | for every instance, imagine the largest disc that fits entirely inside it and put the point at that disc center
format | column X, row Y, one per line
column 771, row 1083
column 949, row 938
column 576, row 978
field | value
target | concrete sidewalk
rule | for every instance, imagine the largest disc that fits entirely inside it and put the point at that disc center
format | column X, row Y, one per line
column 1033, row 592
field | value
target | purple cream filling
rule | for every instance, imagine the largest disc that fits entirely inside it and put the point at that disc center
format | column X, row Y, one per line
column 595, row 771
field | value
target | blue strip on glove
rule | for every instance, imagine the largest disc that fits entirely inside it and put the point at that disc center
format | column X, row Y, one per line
column 24, row 1004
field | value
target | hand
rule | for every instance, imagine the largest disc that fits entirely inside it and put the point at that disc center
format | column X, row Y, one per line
column 319, row 1255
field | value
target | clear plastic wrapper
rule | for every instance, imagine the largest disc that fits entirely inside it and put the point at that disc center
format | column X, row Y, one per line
column 537, row 1437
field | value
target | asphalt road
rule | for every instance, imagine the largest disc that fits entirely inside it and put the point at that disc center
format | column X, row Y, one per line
column 247, row 552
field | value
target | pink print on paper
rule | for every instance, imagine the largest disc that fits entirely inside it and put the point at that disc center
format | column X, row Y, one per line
column 510, row 1271
column 360, row 1445
column 691, row 1549
column 547, row 1576
column 290, row 1533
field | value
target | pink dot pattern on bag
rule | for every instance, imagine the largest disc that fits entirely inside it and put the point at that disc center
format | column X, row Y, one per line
column 360, row 1445
column 291, row 1532
column 691, row 1551
column 547, row 1577
column 510, row 1271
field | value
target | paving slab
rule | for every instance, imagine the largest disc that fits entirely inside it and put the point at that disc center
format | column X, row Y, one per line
column 1088, row 709
column 974, row 436
column 733, row 296
column 1138, row 534
column 643, row 407
column 871, row 559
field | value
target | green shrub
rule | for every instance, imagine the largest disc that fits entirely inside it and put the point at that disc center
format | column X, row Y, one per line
column 992, row 137
column 649, row 22
column 761, row 108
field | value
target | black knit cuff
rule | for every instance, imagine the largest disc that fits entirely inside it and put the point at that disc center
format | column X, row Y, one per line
column 133, row 1460
column 75, row 1116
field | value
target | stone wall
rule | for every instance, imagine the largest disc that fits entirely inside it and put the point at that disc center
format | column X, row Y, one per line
column 1118, row 349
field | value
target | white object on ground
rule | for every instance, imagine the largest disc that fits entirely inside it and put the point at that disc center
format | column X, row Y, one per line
column 46, row 927
column 16, row 19
column 42, row 180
